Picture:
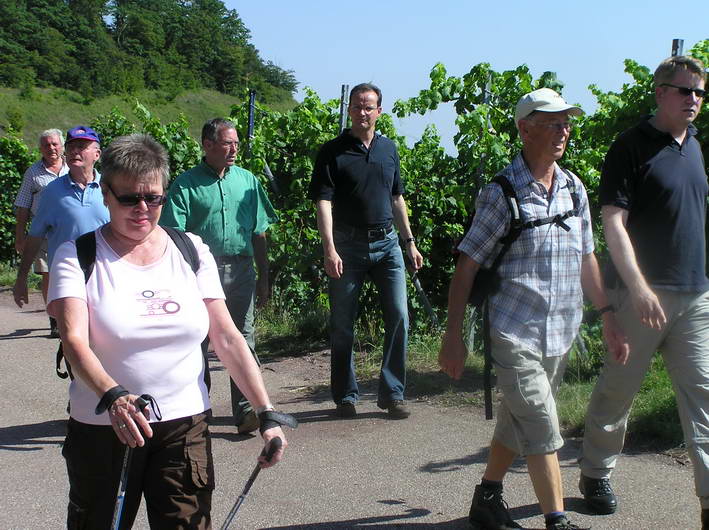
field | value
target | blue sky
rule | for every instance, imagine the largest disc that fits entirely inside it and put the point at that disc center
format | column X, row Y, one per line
column 395, row 43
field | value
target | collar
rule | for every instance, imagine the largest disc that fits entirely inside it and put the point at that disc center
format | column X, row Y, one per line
column 210, row 170
column 93, row 184
column 650, row 131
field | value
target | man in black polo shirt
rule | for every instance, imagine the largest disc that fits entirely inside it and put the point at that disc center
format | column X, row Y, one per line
column 653, row 194
column 358, row 192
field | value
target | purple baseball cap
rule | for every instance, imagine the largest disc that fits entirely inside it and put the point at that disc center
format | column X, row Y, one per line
column 81, row 132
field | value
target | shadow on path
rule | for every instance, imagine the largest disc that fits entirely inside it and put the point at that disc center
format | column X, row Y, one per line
column 29, row 437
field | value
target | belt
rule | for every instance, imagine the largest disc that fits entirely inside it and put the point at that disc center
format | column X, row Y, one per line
column 370, row 234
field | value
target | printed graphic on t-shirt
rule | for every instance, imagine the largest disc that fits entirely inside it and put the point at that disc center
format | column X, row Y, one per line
column 156, row 303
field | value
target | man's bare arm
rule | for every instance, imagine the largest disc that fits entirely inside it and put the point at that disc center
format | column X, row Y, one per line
column 644, row 300
column 22, row 216
column 333, row 262
column 401, row 220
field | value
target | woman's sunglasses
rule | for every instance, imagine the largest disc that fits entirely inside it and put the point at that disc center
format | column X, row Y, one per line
column 150, row 199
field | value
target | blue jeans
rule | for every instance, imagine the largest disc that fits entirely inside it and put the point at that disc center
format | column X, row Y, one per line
column 384, row 263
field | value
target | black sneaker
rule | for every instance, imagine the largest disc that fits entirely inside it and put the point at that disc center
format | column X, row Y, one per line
column 562, row 523
column 705, row 519
column 489, row 511
column 599, row 495
column 345, row 409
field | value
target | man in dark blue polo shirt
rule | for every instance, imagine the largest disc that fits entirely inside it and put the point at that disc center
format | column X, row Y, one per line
column 358, row 191
column 653, row 194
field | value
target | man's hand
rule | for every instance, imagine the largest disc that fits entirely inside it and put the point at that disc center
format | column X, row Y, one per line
column 19, row 291
column 452, row 356
column 616, row 341
column 648, row 307
column 333, row 264
column 415, row 257
column 263, row 293
column 20, row 244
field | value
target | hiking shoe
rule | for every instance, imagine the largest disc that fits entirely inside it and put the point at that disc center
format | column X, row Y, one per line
column 599, row 495
column 562, row 523
column 489, row 511
column 249, row 424
column 705, row 519
column 53, row 328
column 346, row 409
column 396, row 409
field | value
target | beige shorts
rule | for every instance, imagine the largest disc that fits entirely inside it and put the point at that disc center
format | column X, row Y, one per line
column 527, row 422
column 40, row 264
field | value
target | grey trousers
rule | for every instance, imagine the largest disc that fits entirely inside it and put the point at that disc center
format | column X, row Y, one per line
column 238, row 278
column 684, row 344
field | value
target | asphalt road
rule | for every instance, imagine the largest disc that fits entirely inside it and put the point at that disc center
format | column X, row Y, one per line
column 368, row 472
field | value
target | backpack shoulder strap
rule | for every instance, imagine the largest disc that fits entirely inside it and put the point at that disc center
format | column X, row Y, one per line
column 571, row 186
column 185, row 246
column 513, row 204
column 86, row 252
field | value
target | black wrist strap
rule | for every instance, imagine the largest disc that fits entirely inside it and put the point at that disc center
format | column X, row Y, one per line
column 270, row 419
column 111, row 395
column 605, row 309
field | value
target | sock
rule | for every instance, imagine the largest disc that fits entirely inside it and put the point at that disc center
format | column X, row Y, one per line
column 553, row 517
column 491, row 484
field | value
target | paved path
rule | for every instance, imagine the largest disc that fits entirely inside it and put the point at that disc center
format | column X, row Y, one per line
column 371, row 472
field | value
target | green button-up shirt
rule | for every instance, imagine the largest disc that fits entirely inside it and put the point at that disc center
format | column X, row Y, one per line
column 225, row 212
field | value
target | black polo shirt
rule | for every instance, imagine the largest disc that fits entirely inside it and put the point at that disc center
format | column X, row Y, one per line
column 360, row 182
column 663, row 185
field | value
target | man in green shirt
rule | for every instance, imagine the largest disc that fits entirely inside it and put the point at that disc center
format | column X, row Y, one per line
column 228, row 208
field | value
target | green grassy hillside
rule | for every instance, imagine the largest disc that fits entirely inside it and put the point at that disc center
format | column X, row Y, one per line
column 42, row 108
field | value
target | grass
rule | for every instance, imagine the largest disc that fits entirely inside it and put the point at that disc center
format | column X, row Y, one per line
column 48, row 108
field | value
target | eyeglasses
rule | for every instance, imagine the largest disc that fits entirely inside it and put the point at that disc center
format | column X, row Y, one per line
column 367, row 110
column 235, row 145
column 686, row 91
column 150, row 199
column 557, row 126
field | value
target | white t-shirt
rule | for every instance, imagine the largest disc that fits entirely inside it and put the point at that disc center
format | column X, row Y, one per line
column 146, row 324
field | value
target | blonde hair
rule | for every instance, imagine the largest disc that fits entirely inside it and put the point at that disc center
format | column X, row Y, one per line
column 672, row 65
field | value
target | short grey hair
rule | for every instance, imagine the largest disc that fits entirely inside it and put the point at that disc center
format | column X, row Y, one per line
column 51, row 132
column 210, row 130
column 137, row 157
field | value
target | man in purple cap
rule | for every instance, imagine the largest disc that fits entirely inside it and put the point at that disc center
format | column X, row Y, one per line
column 535, row 313
column 70, row 206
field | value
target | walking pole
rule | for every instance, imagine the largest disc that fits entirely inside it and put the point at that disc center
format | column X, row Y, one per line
column 274, row 446
column 123, row 484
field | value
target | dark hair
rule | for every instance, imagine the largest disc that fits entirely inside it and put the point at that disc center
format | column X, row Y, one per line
column 137, row 157
column 210, row 130
column 367, row 87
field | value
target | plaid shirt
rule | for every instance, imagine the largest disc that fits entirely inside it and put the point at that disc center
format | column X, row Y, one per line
column 540, row 300
column 34, row 181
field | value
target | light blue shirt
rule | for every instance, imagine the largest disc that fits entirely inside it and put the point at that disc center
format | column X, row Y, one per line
column 66, row 211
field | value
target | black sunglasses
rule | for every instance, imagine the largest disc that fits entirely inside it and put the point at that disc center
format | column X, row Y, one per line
column 685, row 91
column 152, row 200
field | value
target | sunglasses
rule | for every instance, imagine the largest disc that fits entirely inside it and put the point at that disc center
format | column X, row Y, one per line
column 150, row 199
column 685, row 91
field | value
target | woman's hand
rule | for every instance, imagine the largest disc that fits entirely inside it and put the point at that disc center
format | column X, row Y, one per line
column 130, row 421
column 268, row 435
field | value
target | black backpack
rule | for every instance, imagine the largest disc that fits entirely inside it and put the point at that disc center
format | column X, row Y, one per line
column 86, row 253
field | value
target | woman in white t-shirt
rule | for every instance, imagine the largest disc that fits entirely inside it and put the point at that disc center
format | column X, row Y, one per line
column 133, row 328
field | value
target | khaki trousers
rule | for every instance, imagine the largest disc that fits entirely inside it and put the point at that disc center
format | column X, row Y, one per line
column 684, row 344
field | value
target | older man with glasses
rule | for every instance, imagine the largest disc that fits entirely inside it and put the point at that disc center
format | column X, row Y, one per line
column 535, row 314
column 35, row 179
column 653, row 194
